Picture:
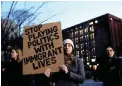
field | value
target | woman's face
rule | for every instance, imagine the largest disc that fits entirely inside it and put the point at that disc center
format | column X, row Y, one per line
column 110, row 52
column 68, row 48
column 14, row 54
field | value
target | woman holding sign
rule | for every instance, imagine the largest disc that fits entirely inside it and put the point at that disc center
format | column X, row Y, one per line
column 72, row 72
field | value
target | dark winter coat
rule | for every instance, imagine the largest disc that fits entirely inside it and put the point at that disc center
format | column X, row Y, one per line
column 14, row 73
column 74, row 77
column 42, row 80
column 110, row 71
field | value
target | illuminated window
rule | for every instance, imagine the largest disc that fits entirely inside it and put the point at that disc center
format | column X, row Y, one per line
column 78, row 52
column 96, row 21
column 94, row 56
column 111, row 19
column 81, row 38
column 76, row 46
column 93, row 49
column 80, row 26
column 81, row 52
column 88, row 63
column 76, row 32
column 86, row 29
column 92, row 29
column 81, row 32
column 87, row 59
column 73, row 40
column 93, row 36
column 93, row 44
column 82, row 45
column 76, row 39
column 71, row 34
column 91, row 23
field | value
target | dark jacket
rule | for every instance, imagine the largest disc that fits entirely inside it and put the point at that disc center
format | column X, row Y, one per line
column 74, row 77
column 42, row 80
column 14, row 73
column 110, row 71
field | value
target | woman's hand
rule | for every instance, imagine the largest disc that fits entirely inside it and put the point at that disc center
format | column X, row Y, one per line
column 47, row 72
column 64, row 68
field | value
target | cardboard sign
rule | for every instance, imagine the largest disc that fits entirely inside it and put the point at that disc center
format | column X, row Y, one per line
column 42, row 48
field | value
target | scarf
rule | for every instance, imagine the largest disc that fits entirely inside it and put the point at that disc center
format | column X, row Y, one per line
column 68, row 59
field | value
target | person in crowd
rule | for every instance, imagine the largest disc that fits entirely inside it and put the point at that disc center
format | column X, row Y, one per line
column 14, row 69
column 110, row 68
column 72, row 72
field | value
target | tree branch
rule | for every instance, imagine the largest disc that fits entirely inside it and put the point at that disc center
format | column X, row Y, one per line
column 8, row 15
column 14, row 19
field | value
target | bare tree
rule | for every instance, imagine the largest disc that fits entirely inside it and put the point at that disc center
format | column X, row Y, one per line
column 15, row 19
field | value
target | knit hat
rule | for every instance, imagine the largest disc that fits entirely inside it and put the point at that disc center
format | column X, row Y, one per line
column 69, row 41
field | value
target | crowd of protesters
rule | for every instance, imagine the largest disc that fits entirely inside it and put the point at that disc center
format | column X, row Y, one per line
column 71, row 73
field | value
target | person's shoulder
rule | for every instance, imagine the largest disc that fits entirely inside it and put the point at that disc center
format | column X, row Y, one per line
column 79, row 59
column 118, row 57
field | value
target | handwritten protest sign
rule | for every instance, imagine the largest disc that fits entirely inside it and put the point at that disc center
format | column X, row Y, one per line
column 42, row 48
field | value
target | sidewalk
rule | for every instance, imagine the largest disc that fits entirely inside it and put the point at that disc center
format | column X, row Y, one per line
column 91, row 83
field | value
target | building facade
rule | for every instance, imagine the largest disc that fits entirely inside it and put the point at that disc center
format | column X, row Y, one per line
column 91, row 37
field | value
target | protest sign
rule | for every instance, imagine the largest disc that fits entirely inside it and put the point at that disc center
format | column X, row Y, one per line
column 42, row 48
